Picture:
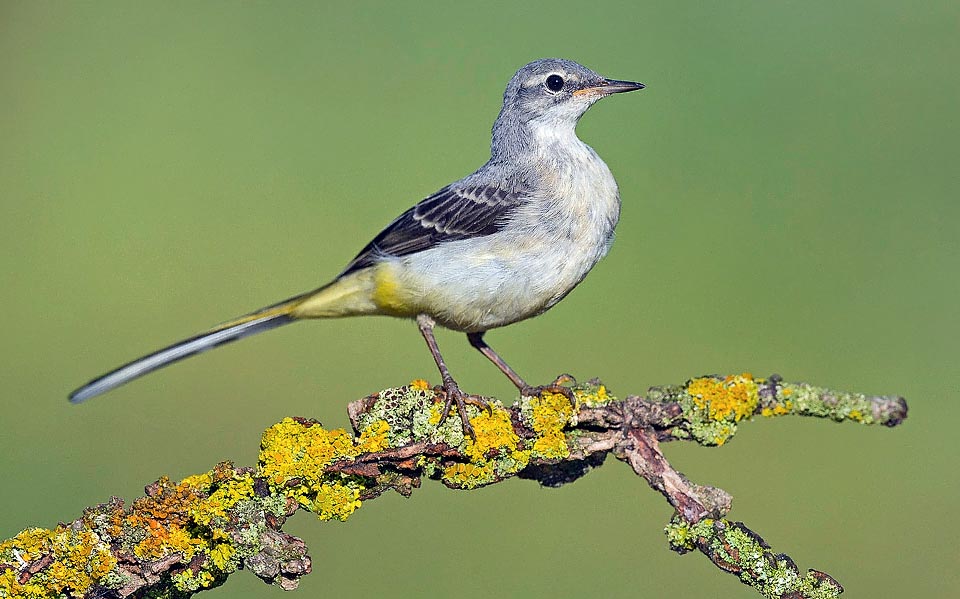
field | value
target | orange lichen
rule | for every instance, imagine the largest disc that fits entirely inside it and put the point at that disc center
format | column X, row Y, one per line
column 419, row 384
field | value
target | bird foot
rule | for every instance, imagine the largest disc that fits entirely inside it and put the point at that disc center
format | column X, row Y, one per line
column 557, row 386
column 453, row 395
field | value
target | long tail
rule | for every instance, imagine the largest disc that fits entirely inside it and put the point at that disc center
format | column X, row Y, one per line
column 265, row 319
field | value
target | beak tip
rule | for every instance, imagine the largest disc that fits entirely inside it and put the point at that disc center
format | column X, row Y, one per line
column 615, row 86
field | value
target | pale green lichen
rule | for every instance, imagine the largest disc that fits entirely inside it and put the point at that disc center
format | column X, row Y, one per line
column 743, row 552
column 683, row 535
column 412, row 414
column 807, row 400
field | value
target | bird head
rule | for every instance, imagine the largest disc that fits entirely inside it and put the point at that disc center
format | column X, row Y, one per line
column 552, row 94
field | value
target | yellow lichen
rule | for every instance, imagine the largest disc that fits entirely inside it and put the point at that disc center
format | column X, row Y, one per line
column 374, row 437
column 494, row 431
column 188, row 581
column 436, row 412
column 733, row 398
column 777, row 409
column 294, row 455
column 551, row 412
column 164, row 540
column 592, row 394
column 30, row 544
column 420, row 384
column 335, row 501
column 200, row 482
column 469, row 476
column 80, row 559
column 496, row 451
column 186, row 519
column 602, row 393
column 723, row 434
column 10, row 586
column 220, row 555
column 292, row 449
column 222, row 499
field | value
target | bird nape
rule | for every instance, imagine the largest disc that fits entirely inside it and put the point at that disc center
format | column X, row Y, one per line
column 500, row 245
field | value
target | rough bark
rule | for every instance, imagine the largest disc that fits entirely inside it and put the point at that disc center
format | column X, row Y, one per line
column 185, row 537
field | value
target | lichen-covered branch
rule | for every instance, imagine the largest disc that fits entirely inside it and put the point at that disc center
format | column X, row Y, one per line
column 187, row 536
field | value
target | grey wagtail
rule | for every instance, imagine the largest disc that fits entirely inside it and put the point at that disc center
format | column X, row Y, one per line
column 498, row 246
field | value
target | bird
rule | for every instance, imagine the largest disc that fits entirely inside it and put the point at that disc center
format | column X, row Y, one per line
column 499, row 246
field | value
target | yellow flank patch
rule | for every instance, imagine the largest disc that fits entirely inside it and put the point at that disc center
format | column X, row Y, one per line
column 387, row 295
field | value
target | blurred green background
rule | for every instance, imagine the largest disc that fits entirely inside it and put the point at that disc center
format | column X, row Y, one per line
column 790, row 189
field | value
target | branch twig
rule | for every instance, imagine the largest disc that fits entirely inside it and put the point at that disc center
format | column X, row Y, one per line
column 189, row 536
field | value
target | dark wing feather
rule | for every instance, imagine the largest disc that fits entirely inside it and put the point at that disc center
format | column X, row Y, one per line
column 450, row 214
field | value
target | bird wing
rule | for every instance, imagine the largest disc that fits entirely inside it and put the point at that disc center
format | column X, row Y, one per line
column 454, row 212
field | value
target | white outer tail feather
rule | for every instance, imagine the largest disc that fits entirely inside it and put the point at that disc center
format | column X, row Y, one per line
column 176, row 352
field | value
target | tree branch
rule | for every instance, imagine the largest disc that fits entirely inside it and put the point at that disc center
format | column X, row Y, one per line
column 181, row 538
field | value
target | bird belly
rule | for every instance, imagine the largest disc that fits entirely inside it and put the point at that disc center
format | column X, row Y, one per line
column 478, row 284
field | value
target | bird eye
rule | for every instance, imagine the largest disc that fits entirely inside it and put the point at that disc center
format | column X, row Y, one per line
column 554, row 83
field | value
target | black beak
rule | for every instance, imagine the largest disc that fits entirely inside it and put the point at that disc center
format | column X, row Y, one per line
column 613, row 86
column 609, row 86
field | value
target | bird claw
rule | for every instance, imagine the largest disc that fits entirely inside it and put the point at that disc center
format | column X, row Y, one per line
column 564, row 379
column 554, row 387
column 453, row 395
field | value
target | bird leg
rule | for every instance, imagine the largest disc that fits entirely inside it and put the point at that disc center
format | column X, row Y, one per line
column 450, row 388
column 476, row 340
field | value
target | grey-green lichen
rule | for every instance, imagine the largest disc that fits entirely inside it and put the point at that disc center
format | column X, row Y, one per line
column 807, row 400
column 737, row 550
column 413, row 414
